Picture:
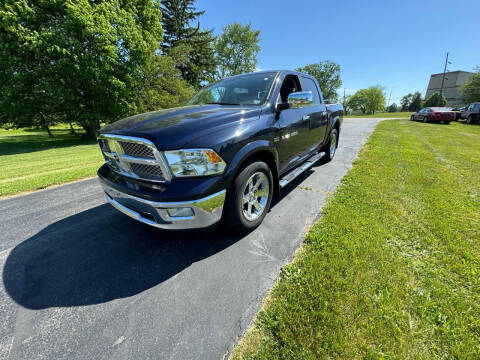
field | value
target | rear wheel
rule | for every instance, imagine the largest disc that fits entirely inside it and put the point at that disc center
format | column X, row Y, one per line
column 249, row 197
column 331, row 147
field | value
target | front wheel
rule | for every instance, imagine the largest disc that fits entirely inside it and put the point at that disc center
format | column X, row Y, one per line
column 411, row 118
column 249, row 197
column 470, row 119
column 425, row 119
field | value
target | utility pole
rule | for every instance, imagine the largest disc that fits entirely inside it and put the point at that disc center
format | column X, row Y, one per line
column 443, row 77
column 388, row 102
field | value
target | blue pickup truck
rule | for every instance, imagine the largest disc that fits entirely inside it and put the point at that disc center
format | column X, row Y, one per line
column 223, row 156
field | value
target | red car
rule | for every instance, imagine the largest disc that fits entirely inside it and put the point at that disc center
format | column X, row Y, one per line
column 434, row 114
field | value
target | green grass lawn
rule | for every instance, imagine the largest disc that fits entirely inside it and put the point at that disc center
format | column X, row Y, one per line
column 30, row 160
column 392, row 269
column 383, row 115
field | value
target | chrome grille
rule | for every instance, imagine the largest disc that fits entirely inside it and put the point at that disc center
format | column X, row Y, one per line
column 134, row 157
column 147, row 171
column 104, row 145
column 137, row 150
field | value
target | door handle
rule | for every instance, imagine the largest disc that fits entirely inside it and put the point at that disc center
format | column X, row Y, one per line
column 306, row 117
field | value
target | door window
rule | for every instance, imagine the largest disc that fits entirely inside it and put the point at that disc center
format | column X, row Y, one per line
column 309, row 85
column 290, row 85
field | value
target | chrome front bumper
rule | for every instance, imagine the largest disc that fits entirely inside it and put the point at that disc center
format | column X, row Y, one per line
column 204, row 212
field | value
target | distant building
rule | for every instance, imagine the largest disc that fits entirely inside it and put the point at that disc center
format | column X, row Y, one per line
column 453, row 80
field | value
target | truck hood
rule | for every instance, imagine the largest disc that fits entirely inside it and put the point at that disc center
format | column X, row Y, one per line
column 172, row 128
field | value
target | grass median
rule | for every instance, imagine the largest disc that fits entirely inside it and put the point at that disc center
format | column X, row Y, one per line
column 392, row 269
column 30, row 160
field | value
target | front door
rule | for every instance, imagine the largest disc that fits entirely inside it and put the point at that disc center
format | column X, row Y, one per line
column 291, row 139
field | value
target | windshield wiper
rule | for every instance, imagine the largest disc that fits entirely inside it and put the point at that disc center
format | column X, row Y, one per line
column 221, row 103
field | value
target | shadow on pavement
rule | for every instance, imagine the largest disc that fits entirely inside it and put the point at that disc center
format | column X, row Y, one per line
column 100, row 255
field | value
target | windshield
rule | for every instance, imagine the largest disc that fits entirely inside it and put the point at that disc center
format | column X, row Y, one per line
column 249, row 89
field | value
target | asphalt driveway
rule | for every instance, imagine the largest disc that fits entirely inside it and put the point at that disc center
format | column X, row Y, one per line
column 82, row 281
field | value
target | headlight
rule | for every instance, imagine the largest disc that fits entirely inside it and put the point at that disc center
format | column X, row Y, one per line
column 194, row 162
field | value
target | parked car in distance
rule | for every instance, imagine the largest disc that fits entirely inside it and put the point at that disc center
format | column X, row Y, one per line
column 434, row 114
column 471, row 114
column 458, row 112
column 234, row 146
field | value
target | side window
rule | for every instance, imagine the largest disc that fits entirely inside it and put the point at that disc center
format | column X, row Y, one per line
column 309, row 85
column 290, row 84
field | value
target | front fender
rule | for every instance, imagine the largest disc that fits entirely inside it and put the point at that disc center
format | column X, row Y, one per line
column 246, row 152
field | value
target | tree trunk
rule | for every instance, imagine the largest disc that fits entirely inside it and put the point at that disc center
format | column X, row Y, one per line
column 48, row 130
column 72, row 130
column 44, row 123
column 90, row 130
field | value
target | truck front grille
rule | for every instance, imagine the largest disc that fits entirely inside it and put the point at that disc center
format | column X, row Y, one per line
column 147, row 171
column 137, row 150
column 133, row 157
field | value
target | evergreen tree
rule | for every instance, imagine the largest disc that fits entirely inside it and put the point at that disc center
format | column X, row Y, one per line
column 181, row 27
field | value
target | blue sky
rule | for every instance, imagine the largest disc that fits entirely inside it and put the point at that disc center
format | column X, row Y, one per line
column 396, row 44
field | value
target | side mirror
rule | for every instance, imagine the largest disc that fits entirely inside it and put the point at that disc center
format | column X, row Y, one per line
column 300, row 99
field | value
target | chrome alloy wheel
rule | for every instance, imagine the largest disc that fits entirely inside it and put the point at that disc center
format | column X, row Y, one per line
column 255, row 196
column 333, row 144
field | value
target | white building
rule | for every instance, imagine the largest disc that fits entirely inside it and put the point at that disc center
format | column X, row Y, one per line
column 453, row 80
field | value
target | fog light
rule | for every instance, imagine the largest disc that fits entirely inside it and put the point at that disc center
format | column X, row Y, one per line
column 180, row 212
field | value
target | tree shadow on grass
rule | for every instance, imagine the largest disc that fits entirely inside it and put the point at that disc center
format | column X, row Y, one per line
column 100, row 255
column 26, row 143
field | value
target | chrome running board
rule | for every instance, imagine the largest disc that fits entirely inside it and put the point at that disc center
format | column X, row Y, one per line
column 284, row 181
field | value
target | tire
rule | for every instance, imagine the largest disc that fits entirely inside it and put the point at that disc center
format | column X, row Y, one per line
column 470, row 119
column 447, row 122
column 240, row 212
column 425, row 119
column 331, row 147
column 411, row 118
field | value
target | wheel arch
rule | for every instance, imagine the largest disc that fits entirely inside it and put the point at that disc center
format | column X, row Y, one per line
column 262, row 150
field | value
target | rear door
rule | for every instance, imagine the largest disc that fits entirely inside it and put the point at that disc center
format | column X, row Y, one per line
column 317, row 114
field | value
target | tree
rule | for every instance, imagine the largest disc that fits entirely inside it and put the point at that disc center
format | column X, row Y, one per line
column 164, row 86
column 368, row 100
column 327, row 74
column 375, row 99
column 236, row 50
column 81, row 60
column 358, row 101
column 471, row 89
column 179, row 31
column 346, row 103
column 392, row 108
column 416, row 102
column 412, row 102
column 436, row 99
column 405, row 102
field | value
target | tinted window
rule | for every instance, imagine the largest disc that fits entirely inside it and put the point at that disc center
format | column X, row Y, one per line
column 309, row 85
column 290, row 84
column 249, row 89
